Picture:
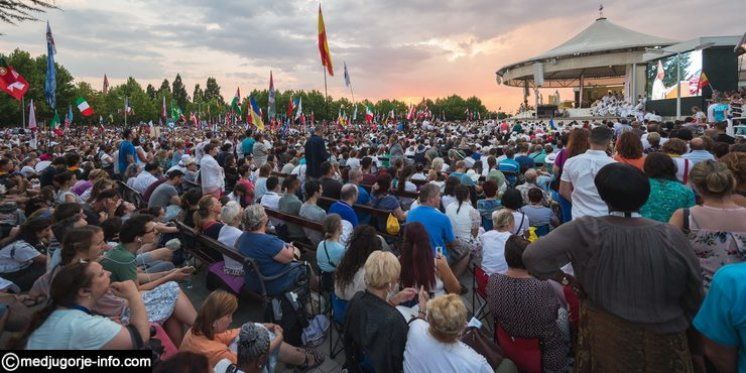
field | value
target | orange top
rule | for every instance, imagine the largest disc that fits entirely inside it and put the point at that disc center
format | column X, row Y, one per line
column 215, row 349
column 637, row 163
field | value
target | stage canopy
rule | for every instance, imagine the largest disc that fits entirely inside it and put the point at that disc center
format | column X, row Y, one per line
column 601, row 54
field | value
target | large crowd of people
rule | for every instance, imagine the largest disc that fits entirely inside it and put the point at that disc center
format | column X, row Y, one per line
column 613, row 245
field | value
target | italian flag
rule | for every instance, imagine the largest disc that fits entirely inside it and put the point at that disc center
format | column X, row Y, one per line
column 83, row 106
column 368, row 115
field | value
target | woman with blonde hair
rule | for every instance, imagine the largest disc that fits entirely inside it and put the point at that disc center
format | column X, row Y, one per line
column 375, row 331
column 434, row 343
column 206, row 216
column 717, row 228
column 211, row 336
column 493, row 242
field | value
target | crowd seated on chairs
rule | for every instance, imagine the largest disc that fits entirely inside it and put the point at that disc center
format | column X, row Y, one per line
column 586, row 244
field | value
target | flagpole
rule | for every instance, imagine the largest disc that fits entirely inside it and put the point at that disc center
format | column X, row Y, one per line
column 326, row 94
column 125, row 111
column 23, row 110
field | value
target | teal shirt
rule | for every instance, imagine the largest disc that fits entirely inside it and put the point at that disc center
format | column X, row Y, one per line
column 666, row 196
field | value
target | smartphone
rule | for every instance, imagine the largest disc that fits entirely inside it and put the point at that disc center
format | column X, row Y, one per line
column 439, row 250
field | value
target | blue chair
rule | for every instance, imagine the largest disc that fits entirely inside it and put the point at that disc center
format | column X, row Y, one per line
column 339, row 314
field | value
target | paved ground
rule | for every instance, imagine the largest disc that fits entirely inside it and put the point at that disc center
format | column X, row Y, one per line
column 250, row 309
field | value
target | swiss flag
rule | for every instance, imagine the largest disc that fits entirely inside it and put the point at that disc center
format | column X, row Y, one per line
column 11, row 81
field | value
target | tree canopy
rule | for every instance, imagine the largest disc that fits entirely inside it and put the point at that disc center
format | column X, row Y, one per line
column 207, row 104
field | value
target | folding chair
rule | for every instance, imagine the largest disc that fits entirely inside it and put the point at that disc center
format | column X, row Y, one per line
column 339, row 314
column 479, row 284
column 524, row 352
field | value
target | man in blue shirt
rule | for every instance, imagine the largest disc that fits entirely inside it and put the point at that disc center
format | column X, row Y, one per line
column 343, row 207
column 722, row 319
column 438, row 227
column 363, row 197
column 247, row 145
column 127, row 153
column 460, row 173
column 523, row 159
column 509, row 167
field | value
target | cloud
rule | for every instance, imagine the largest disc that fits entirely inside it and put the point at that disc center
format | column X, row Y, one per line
column 393, row 48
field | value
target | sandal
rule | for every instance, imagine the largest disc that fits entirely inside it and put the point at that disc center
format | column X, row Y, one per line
column 318, row 359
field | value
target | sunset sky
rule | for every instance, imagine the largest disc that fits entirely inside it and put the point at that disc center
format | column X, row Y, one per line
column 406, row 49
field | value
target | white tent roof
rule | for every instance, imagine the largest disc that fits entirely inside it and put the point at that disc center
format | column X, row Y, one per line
column 602, row 50
column 603, row 35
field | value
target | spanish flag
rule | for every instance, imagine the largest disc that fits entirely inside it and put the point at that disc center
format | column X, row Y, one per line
column 703, row 81
column 326, row 57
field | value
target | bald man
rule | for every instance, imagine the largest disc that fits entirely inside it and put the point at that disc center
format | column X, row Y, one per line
column 697, row 151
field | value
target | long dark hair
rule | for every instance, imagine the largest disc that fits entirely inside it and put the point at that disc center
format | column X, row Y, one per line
column 462, row 194
column 63, row 292
column 451, row 184
column 416, row 258
column 404, row 174
column 30, row 229
column 363, row 241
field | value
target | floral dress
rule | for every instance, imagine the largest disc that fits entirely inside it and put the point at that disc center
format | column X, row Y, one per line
column 715, row 248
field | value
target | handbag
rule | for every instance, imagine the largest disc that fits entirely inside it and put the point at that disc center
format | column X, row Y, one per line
column 478, row 340
column 392, row 225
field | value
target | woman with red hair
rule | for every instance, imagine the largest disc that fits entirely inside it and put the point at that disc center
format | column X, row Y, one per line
column 422, row 266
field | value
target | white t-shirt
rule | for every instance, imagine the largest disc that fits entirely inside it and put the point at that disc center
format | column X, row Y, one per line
column 423, row 353
column 462, row 221
column 70, row 329
column 493, row 251
column 581, row 171
column 228, row 236
column 17, row 256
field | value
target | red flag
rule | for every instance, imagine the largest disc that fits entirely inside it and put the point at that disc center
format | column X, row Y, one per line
column 326, row 57
column 291, row 108
column 11, row 81
column 703, row 81
column 411, row 113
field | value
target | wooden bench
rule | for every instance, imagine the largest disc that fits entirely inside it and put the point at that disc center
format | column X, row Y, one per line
column 297, row 220
column 195, row 244
column 249, row 264
column 294, row 219
column 326, row 202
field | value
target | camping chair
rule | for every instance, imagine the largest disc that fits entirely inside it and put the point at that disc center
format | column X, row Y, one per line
column 524, row 352
column 338, row 316
column 479, row 285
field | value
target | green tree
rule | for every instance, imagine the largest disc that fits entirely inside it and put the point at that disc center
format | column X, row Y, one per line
column 212, row 91
column 179, row 93
column 150, row 91
column 198, row 95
